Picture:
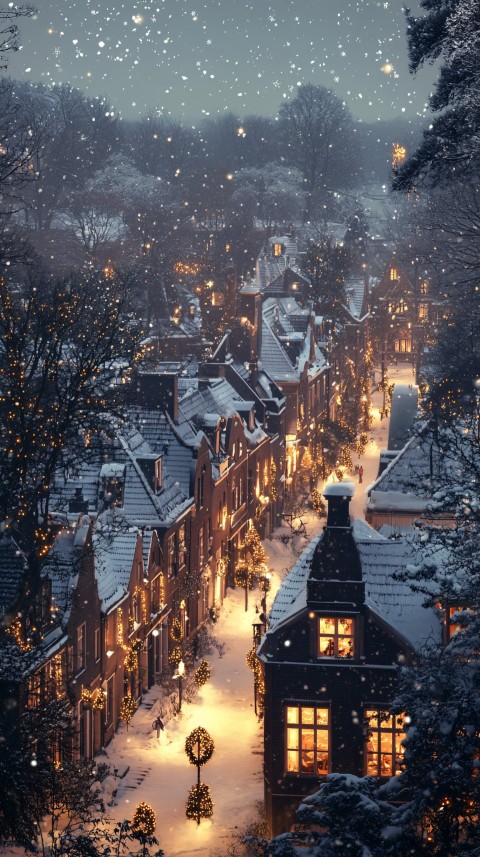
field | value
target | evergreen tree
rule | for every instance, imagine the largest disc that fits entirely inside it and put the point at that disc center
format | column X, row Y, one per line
column 344, row 817
column 450, row 30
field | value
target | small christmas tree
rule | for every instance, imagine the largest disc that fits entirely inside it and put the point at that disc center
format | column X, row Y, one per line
column 143, row 826
column 127, row 709
column 199, row 804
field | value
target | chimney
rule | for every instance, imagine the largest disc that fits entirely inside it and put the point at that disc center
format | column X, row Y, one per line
column 159, row 391
column 338, row 496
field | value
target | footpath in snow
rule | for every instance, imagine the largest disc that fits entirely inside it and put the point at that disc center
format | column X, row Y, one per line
column 159, row 771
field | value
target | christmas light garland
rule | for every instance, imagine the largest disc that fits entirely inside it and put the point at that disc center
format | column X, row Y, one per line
column 202, row 673
column 199, row 747
column 144, row 821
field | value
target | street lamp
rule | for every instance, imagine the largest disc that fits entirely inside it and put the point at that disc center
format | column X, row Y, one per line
column 179, row 675
column 265, row 585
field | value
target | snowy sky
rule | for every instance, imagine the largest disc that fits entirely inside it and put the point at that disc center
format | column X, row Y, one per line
column 194, row 59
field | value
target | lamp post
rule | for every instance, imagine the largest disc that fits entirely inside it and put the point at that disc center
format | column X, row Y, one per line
column 265, row 584
column 179, row 675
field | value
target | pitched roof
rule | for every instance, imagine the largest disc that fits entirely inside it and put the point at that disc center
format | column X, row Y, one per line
column 390, row 599
column 113, row 554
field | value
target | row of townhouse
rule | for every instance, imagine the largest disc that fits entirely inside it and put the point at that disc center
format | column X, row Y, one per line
column 150, row 530
column 151, row 525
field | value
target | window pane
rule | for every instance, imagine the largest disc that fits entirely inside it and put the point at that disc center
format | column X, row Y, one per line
column 307, row 760
column 292, row 715
column 386, row 766
column 345, row 626
column 327, row 647
column 322, row 762
column 308, row 742
column 292, row 760
column 322, row 716
column 386, row 742
column 372, row 764
column 327, row 626
column 345, row 647
column 307, row 715
column 292, row 739
column 372, row 716
column 322, row 739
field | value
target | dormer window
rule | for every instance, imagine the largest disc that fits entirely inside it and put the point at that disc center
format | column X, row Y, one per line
column 277, row 249
column 158, row 476
column 393, row 274
column 424, row 287
column 336, row 637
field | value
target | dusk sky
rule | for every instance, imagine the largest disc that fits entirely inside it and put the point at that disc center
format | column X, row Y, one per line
column 193, row 59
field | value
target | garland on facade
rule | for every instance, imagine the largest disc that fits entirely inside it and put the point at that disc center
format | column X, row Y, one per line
column 254, row 664
column 86, row 696
column 176, row 631
column 273, row 480
column 202, row 673
column 98, row 703
column 175, row 656
column 131, row 660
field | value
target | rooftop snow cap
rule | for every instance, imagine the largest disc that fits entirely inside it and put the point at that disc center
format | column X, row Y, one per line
column 338, row 496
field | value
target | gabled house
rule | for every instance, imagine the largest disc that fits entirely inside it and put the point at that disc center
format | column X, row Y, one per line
column 415, row 483
column 339, row 626
column 401, row 310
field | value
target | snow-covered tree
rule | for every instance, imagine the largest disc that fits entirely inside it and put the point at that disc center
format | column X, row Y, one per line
column 344, row 817
column 449, row 30
column 317, row 134
column 58, row 343
column 271, row 194
column 327, row 263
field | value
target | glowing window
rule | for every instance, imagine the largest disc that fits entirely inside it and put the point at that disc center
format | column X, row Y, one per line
column 423, row 310
column 403, row 346
column 277, row 249
column 336, row 637
column 453, row 627
column 424, row 287
column 307, row 739
column 384, row 735
column 393, row 274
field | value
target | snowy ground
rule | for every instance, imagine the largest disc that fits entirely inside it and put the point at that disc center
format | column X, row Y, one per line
column 159, row 772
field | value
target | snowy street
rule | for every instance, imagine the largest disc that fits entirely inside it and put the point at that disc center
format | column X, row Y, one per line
column 159, row 772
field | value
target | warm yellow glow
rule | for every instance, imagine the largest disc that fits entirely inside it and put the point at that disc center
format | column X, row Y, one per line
column 398, row 155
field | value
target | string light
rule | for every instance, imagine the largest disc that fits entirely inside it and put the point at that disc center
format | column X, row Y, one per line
column 199, row 803
column 199, row 747
column 127, row 709
column 144, row 821
column 202, row 673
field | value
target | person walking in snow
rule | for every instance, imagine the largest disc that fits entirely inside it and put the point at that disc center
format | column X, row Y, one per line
column 360, row 473
column 158, row 725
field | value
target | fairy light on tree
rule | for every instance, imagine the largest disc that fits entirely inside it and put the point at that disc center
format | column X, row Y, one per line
column 143, row 825
column 199, row 747
column 49, row 403
column 127, row 709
